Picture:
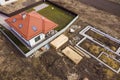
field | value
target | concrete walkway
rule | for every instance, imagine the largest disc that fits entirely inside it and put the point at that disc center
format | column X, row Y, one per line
column 40, row 7
column 2, row 21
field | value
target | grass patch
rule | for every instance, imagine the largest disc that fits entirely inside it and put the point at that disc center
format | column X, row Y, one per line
column 91, row 47
column 15, row 40
column 57, row 15
column 109, row 61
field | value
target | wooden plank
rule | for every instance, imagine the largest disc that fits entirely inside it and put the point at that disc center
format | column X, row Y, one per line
column 80, row 53
column 71, row 54
column 59, row 41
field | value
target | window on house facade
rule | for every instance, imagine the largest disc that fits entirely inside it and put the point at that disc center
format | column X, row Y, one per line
column 37, row 38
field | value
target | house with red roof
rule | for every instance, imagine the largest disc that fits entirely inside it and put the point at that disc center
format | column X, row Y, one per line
column 30, row 28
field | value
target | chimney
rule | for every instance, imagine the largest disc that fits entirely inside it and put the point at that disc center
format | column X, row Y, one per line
column 23, row 15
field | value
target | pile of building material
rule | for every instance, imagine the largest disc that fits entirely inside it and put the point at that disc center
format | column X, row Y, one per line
column 59, row 41
column 72, row 55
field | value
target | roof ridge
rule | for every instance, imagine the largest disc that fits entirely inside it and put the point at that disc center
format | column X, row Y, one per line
column 28, row 25
column 43, row 25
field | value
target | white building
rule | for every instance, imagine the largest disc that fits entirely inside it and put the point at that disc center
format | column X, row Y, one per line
column 30, row 28
column 5, row 2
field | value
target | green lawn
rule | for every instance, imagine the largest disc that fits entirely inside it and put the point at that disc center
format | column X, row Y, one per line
column 15, row 40
column 57, row 15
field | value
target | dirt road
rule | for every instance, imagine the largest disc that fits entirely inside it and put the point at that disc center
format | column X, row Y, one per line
column 105, row 5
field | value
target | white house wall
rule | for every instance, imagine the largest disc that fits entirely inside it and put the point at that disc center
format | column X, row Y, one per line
column 32, row 41
column 3, row 2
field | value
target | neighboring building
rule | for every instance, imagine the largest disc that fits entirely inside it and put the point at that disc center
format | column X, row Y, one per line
column 4, row 2
column 30, row 28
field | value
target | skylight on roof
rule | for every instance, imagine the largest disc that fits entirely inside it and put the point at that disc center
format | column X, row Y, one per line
column 34, row 28
column 14, row 20
column 20, row 25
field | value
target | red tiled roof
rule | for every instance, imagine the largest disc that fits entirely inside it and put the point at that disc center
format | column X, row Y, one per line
column 32, row 25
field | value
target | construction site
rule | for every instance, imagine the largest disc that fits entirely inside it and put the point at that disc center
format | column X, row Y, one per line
column 88, row 50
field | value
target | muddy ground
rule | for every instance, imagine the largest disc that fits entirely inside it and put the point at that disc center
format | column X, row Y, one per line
column 116, row 1
column 50, row 65
column 17, row 5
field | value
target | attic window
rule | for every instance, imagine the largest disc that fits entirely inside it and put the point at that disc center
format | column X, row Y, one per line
column 14, row 20
column 37, row 38
column 34, row 28
column 20, row 25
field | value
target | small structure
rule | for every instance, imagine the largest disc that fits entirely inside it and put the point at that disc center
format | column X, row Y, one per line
column 5, row 2
column 30, row 28
column 59, row 41
column 71, row 54
column 71, row 30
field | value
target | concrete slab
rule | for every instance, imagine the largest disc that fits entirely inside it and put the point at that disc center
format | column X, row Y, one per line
column 40, row 7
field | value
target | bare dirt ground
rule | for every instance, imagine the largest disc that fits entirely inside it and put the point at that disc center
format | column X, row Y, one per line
column 51, row 66
column 17, row 5
column 116, row 1
column 14, row 66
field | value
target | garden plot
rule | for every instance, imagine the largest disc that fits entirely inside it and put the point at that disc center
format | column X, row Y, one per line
column 103, row 40
column 91, row 47
column 109, row 60
column 100, row 46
